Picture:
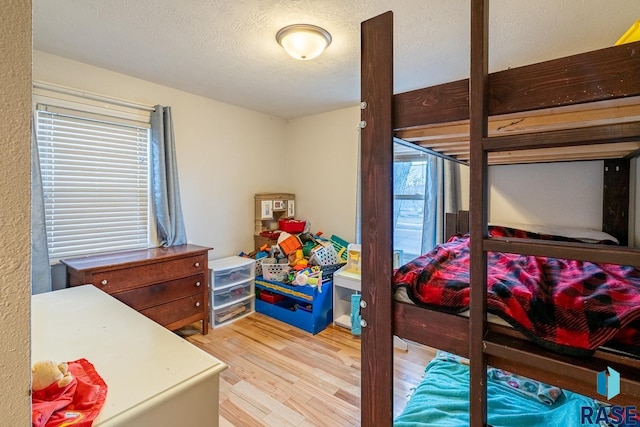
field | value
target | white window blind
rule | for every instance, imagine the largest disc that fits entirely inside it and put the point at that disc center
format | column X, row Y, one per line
column 95, row 174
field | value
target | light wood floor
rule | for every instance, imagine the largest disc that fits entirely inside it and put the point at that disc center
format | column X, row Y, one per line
column 281, row 376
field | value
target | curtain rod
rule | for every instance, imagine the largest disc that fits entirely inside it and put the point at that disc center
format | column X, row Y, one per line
column 90, row 95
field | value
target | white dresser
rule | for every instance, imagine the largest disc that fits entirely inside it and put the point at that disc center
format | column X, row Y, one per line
column 154, row 377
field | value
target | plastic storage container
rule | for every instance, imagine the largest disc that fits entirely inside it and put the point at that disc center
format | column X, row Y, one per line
column 292, row 226
column 232, row 293
column 232, row 312
column 272, row 270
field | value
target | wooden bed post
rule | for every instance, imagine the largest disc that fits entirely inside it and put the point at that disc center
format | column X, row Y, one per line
column 615, row 199
column 377, row 231
column 478, row 112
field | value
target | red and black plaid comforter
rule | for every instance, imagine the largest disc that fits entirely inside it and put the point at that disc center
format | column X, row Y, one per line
column 567, row 306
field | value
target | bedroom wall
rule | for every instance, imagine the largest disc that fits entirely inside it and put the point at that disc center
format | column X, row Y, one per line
column 225, row 153
column 556, row 194
column 15, row 242
column 322, row 168
column 567, row 193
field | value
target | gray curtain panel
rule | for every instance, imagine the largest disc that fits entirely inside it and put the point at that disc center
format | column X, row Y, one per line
column 440, row 196
column 164, row 179
column 40, row 267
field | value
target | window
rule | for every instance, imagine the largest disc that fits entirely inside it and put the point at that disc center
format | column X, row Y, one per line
column 408, row 206
column 95, row 175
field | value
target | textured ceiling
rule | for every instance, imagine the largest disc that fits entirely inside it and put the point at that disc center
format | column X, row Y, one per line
column 226, row 49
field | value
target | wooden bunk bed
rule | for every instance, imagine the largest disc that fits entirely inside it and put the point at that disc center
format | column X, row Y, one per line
column 581, row 107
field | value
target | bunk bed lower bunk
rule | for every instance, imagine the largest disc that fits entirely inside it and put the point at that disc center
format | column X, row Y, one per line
column 418, row 116
column 567, row 306
column 442, row 399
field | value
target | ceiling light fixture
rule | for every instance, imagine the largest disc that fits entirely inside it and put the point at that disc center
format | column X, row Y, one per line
column 303, row 41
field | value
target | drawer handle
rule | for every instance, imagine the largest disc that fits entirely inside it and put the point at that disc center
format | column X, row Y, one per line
column 197, row 264
column 198, row 284
column 104, row 282
column 198, row 304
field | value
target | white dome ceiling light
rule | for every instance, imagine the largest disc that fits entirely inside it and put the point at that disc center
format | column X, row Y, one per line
column 303, row 41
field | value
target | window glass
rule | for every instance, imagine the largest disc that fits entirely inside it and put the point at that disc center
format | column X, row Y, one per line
column 408, row 207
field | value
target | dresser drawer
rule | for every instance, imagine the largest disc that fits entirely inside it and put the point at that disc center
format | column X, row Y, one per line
column 177, row 311
column 119, row 280
column 151, row 295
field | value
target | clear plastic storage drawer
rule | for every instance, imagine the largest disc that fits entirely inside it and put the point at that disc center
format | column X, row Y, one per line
column 229, row 294
column 231, row 271
column 227, row 314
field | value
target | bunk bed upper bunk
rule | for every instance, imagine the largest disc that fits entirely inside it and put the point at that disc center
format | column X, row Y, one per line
column 590, row 90
column 592, row 98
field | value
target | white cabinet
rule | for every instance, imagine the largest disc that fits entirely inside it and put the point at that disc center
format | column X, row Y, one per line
column 232, row 289
column 345, row 284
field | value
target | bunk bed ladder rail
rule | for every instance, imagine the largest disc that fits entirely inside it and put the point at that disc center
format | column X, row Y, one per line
column 481, row 344
column 376, row 407
column 478, row 215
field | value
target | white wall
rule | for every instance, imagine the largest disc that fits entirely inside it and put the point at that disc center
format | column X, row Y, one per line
column 567, row 193
column 225, row 153
column 322, row 168
column 15, row 207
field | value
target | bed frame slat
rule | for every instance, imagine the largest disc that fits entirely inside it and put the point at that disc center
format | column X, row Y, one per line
column 579, row 251
column 609, row 73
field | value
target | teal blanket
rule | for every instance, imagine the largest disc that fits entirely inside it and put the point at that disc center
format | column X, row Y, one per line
column 442, row 399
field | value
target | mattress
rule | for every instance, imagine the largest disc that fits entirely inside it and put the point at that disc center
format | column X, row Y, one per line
column 442, row 399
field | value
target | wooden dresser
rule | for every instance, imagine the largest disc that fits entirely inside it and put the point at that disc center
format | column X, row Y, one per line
column 168, row 285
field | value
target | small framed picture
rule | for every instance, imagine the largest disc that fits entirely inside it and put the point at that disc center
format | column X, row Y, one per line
column 291, row 208
column 267, row 209
column 278, row 205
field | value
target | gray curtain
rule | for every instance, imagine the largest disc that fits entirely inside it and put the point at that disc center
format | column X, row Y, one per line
column 164, row 179
column 440, row 196
column 40, row 266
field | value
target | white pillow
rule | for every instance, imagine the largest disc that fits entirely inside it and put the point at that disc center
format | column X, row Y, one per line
column 586, row 235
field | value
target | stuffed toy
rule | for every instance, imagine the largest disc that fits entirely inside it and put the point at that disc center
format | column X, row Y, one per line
column 45, row 373
column 65, row 394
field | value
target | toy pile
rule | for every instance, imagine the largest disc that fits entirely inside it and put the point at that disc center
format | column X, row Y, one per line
column 300, row 259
